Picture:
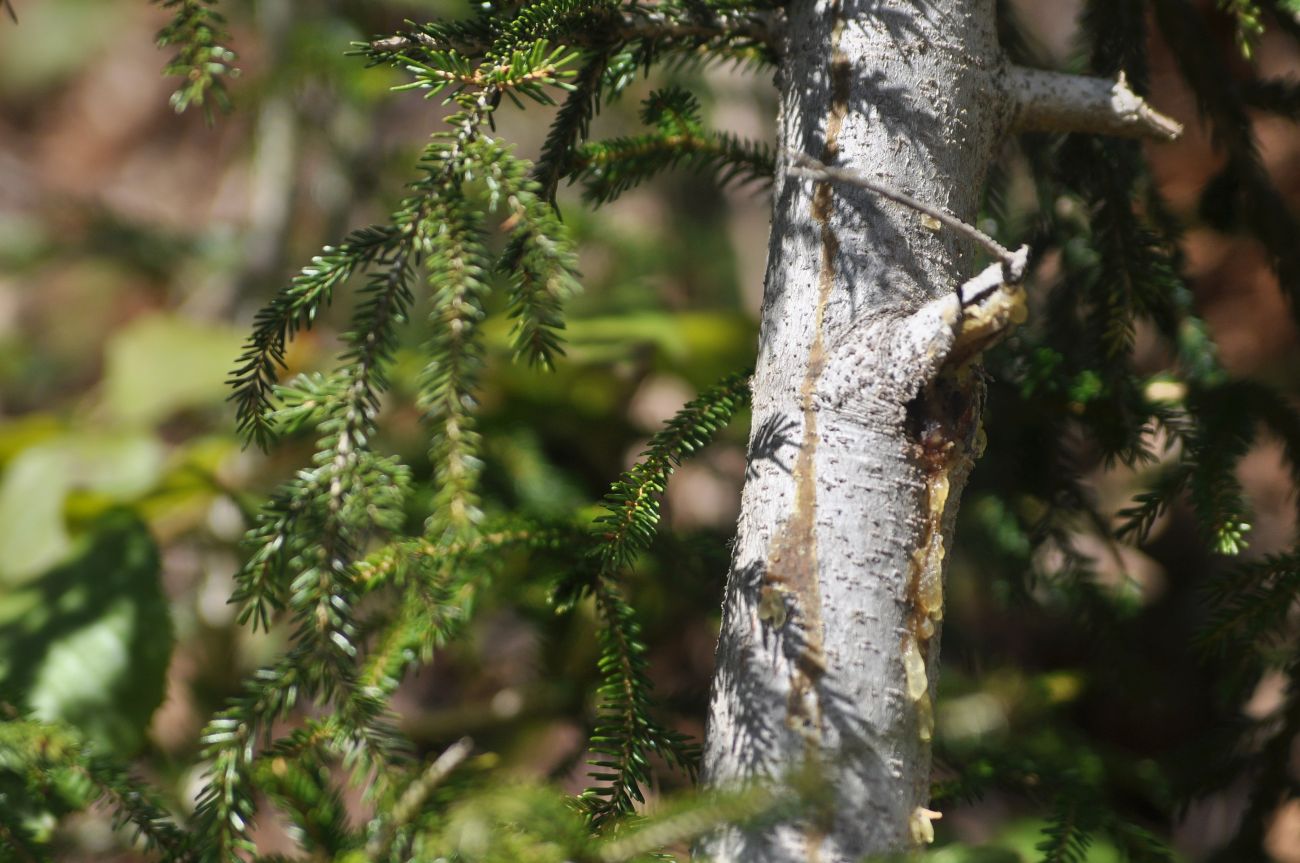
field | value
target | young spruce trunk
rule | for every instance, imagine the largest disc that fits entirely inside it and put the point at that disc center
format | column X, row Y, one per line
column 866, row 410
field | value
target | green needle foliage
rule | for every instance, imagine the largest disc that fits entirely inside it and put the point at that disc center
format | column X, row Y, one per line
column 1070, row 390
column 367, row 567
column 197, row 32
column 626, row 734
column 609, row 168
column 48, row 765
column 308, row 554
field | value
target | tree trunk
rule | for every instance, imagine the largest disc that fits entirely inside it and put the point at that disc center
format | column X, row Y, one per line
column 866, row 412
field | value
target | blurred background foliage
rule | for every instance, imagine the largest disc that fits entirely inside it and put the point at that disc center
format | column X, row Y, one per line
column 135, row 246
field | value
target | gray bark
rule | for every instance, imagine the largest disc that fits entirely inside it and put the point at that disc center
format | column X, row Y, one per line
column 865, row 418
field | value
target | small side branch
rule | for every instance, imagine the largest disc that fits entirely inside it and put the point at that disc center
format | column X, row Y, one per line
column 988, row 305
column 413, row 798
column 1011, row 266
column 1046, row 101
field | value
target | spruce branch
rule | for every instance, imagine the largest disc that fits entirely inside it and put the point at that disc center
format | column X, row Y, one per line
column 370, row 347
column 632, row 505
column 302, row 790
column 542, row 276
column 227, row 804
column 134, row 804
column 1129, row 271
column 357, row 731
column 16, row 838
column 1249, row 19
column 261, row 584
column 441, row 583
column 1244, row 189
column 434, row 608
column 571, row 123
column 1285, row 15
column 1067, row 836
column 597, row 28
column 1138, row 844
column 413, row 797
column 42, row 750
column 326, row 514
column 296, row 307
column 1119, row 267
column 1137, row 519
column 309, row 539
column 1272, row 778
column 1249, row 609
column 1222, row 439
column 694, row 817
column 393, row 562
column 440, row 54
column 524, row 72
column 626, row 733
column 610, row 168
column 1280, row 96
column 539, row 262
column 457, row 268
column 197, row 32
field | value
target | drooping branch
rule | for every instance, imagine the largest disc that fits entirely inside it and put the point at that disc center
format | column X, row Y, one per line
column 1044, row 101
column 746, row 28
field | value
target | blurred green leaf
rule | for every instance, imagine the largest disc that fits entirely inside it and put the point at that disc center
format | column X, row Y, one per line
column 31, row 513
column 25, row 432
column 37, row 481
column 677, row 336
column 44, row 50
column 161, row 364
column 976, row 854
column 89, row 642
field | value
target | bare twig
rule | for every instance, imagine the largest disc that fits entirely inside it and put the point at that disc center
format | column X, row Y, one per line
column 1059, row 102
column 1013, row 263
column 1010, row 268
column 413, row 798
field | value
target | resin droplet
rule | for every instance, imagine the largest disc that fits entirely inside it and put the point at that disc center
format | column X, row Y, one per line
column 925, row 629
column 938, row 495
column 925, row 718
column 921, row 825
column 929, row 594
column 914, row 667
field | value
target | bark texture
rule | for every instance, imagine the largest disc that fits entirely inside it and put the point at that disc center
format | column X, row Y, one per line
column 864, row 432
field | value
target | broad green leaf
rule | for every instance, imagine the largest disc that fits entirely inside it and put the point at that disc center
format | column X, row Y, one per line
column 36, row 483
column 22, row 433
column 32, row 531
column 162, row 364
column 43, row 49
column 88, row 643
